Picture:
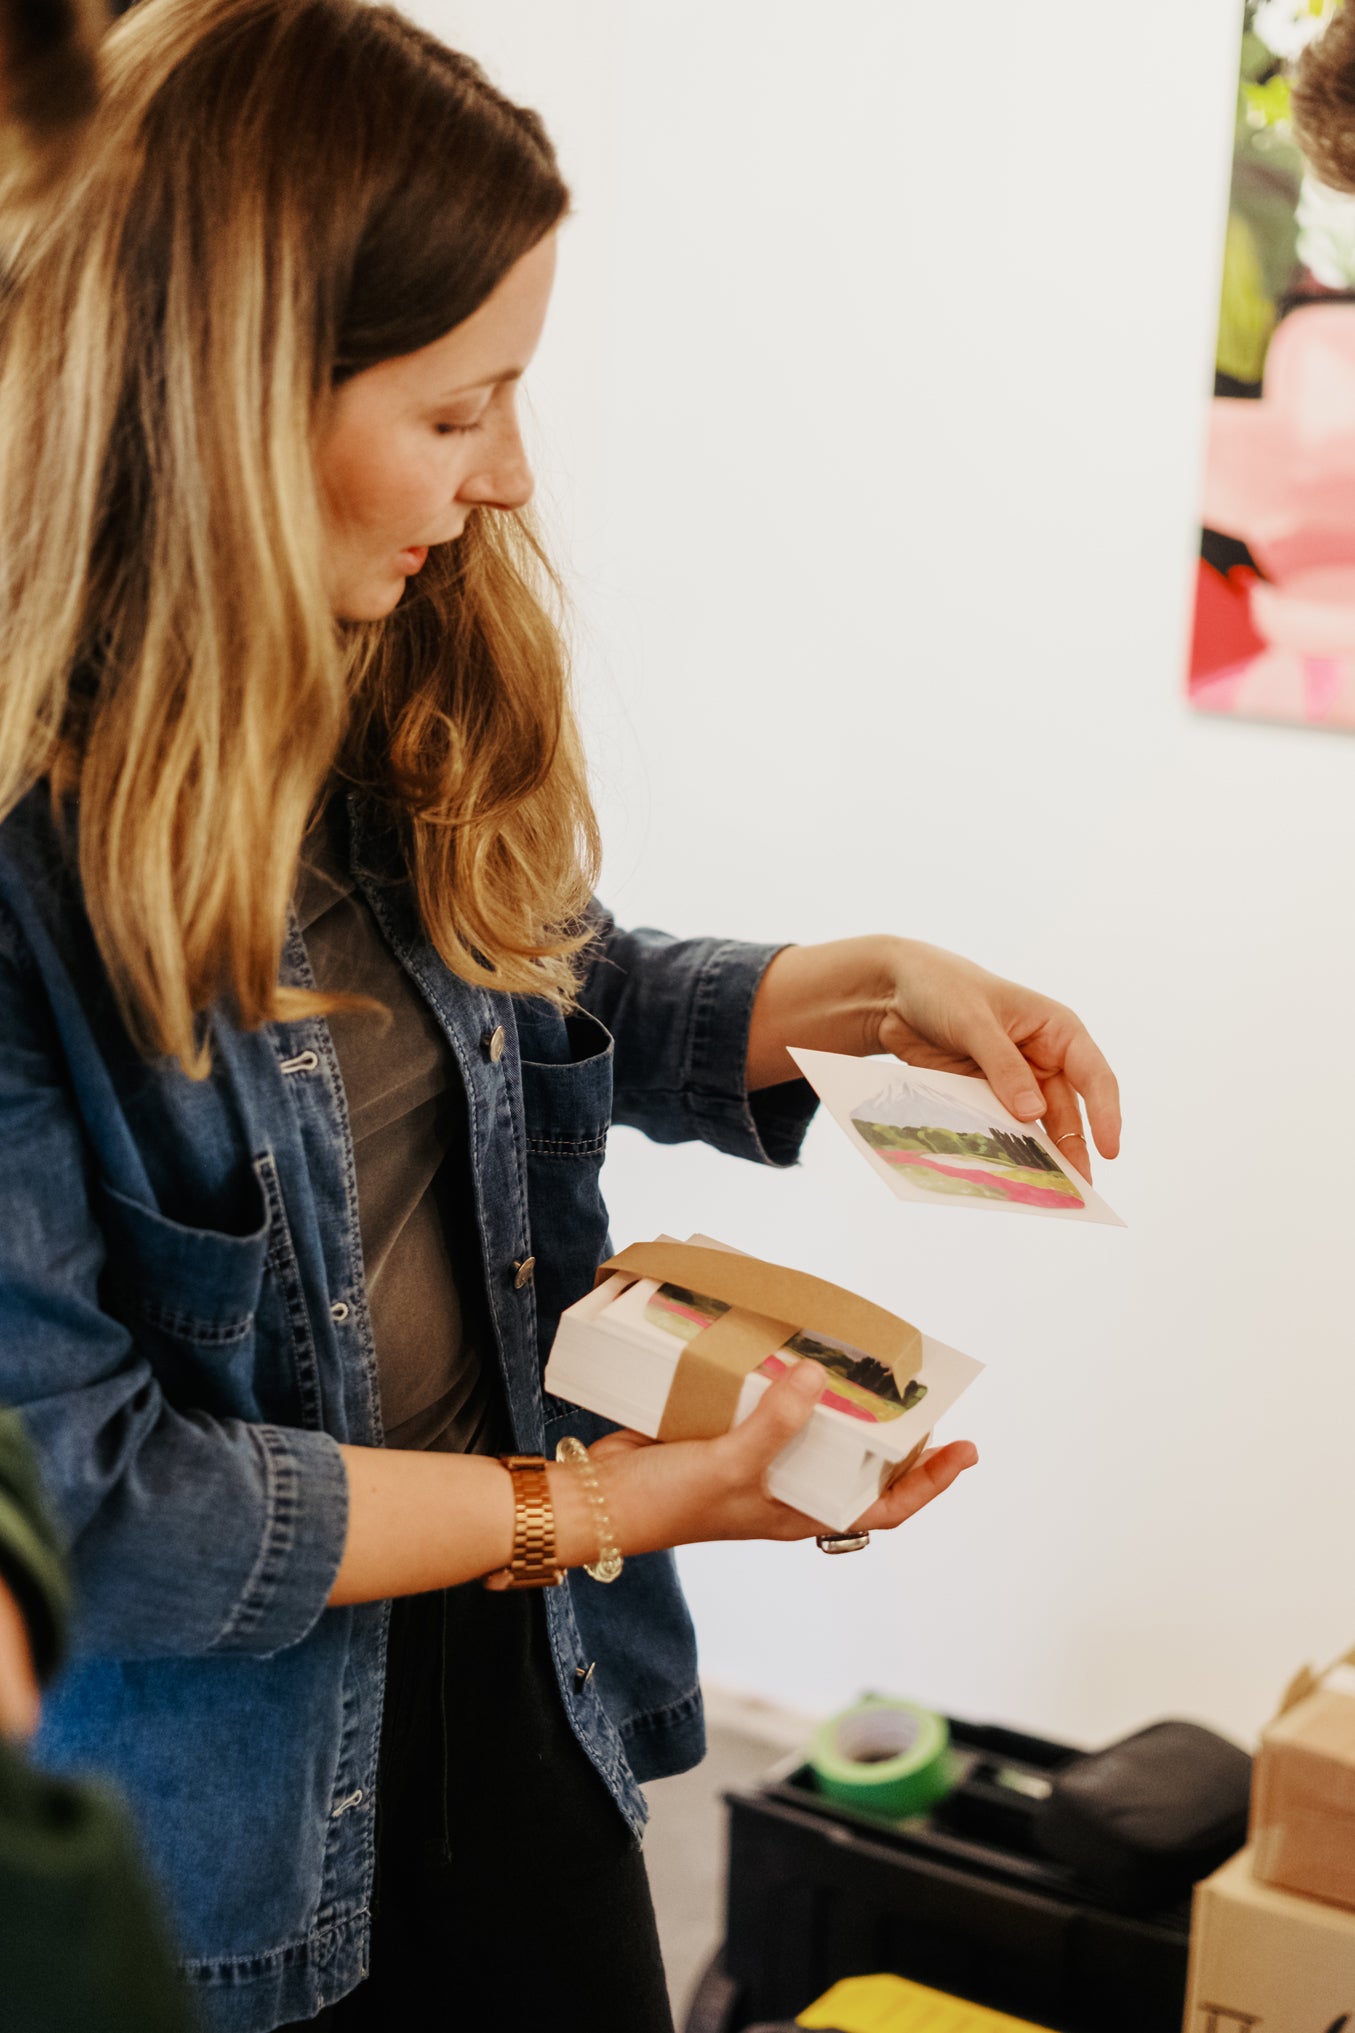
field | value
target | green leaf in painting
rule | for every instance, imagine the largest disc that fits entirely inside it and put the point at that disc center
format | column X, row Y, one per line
column 1246, row 313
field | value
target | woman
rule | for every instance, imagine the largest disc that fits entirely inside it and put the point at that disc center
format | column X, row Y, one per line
column 285, row 744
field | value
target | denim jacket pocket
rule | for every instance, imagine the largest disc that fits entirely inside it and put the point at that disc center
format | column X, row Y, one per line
column 198, row 1285
column 192, row 1297
column 567, row 1109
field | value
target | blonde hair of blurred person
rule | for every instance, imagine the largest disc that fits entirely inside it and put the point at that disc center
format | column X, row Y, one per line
column 172, row 656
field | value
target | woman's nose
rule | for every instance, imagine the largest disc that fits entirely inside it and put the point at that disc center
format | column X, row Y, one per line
column 507, row 481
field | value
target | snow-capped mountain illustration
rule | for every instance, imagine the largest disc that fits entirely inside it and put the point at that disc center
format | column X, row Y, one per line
column 903, row 1106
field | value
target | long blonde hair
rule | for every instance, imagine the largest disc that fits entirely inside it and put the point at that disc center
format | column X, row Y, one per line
column 275, row 195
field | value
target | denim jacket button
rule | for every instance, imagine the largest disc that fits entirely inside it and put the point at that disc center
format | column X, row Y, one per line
column 493, row 1043
column 338, row 1312
column 522, row 1273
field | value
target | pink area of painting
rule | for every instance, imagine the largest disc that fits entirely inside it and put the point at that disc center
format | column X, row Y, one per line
column 1280, row 685
column 1323, row 683
column 1223, row 636
column 1011, row 1189
column 692, row 1313
column 1280, row 470
column 774, row 1366
column 1280, row 477
column 1218, row 693
column 1312, row 611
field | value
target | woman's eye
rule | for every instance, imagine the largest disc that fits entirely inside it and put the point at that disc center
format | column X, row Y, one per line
column 444, row 428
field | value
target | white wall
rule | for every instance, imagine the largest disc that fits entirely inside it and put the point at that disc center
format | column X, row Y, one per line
column 871, row 415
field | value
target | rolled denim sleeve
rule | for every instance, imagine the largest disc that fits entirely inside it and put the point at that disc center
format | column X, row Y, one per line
column 679, row 1010
column 187, row 1533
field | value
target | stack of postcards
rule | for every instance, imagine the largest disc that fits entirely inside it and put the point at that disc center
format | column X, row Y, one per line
column 617, row 1350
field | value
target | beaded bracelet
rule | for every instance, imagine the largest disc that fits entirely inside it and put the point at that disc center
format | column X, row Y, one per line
column 609, row 1561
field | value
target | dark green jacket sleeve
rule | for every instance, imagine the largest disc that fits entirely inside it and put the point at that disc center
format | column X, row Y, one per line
column 82, row 1942
column 31, row 1557
column 83, row 1947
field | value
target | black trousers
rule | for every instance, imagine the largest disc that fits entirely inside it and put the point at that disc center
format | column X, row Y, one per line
column 509, row 1892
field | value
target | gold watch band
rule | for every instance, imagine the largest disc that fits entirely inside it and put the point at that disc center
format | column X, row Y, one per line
column 533, row 1562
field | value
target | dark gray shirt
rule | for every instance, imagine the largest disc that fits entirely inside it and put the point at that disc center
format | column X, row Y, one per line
column 407, row 1108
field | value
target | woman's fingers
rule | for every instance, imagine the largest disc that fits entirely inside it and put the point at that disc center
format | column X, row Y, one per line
column 690, row 1491
column 782, row 1410
column 933, row 1475
column 1089, row 1071
column 1080, row 1068
column 1005, row 1067
column 1063, row 1123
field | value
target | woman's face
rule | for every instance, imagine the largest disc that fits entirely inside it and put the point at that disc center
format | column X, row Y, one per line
column 407, row 448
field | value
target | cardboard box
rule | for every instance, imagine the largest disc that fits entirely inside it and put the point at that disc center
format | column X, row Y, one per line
column 1264, row 1961
column 1303, row 1790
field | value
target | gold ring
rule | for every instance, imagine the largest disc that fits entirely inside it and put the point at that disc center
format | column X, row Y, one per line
column 842, row 1542
column 1070, row 1133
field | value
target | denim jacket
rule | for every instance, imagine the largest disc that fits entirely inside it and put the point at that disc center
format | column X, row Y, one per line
column 183, row 1326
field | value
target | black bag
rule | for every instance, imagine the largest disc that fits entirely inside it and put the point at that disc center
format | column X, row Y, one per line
column 1144, row 1819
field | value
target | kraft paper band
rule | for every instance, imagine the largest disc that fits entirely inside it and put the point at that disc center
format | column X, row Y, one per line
column 888, row 1757
column 704, row 1394
column 769, row 1304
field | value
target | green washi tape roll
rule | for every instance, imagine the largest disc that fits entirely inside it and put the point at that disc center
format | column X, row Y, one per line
column 889, row 1757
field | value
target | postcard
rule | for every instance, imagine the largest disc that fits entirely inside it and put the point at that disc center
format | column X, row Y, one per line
column 945, row 1139
column 860, row 1388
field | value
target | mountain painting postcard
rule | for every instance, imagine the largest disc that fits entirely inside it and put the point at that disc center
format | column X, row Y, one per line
column 943, row 1139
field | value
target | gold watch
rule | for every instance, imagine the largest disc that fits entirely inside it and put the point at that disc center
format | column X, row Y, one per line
column 533, row 1561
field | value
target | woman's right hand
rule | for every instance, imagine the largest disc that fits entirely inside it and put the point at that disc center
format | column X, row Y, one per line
column 681, row 1492
column 419, row 1519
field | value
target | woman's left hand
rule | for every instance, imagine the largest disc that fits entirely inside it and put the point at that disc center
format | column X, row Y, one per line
column 934, row 1009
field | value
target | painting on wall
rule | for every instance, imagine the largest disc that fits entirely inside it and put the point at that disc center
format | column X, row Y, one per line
column 1274, row 618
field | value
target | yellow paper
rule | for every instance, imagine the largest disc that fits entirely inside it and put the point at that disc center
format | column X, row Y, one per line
column 888, row 2004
